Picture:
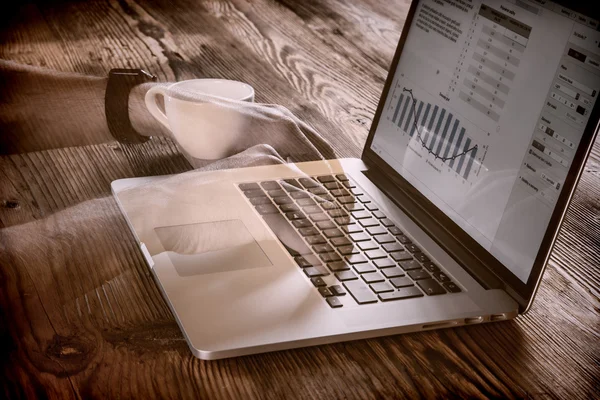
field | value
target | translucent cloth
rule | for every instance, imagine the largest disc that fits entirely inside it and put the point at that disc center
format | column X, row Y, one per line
column 272, row 134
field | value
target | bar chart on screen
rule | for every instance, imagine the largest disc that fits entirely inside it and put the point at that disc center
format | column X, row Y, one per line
column 438, row 134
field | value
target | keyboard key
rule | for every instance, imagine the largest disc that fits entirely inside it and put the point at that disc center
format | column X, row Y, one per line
column 270, row 185
column 410, row 265
column 368, row 245
column 299, row 194
column 337, row 290
column 347, row 250
column 353, row 207
column 379, row 214
column 337, row 213
column 318, row 281
column 338, row 266
column 359, row 236
column 322, row 248
column 394, row 272
column 371, row 207
column 381, row 287
column 307, row 260
column 325, row 292
column 254, row 193
column 356, row 259
column 277, row 193
column 440, row 276
column 377, row 253
column 318, row 217
column 401, row 255
column 340, row 241
column 346, row 199
column 308, row 183
column 330, row 257
column 327, row 197
column 360, row 292
column 422, row 257
column 376, row 230
column 339, row 193
column 291, row 185
column 344, row 276
column 322, row 225
column 332, row 233
column 289, row 207
column 363, row 198
column 385, row 239
column 367, row 222
column 430, row 287
column 342, row 177
column 255, row 201
column 363, row 268
column 310, row 231
column 294, row 215
column 373, row 277
column 391, row 247
column 401, row 282
column 431, row 267
column 361, row 214
column 330, row 205
column 349, row 184
column 451, row 287
column 384, row 263
column 316, row 239
column 318, row 191
column 419, row 274
column 283, row 200
column 387, row 222
column 352, row 228
column 334, row 302
column 341, row 221
column 412, row 248
column 356, row 192
column 249, row 186
column 404, row 239
column 306, row 202
column 402, row 293
column 312, row 272
column 333, row 185
column 301, row 223
column 264, row 209
column 394, row 230
column 326, row 178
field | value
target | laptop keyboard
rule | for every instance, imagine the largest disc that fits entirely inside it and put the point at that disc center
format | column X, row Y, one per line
column 332, row 228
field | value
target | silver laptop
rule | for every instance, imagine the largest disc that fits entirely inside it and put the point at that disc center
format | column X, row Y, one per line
column 482, row 131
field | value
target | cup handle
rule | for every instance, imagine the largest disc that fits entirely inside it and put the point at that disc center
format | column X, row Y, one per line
column 152, row 105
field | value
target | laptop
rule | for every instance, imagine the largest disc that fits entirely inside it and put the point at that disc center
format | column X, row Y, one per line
column 448, row 219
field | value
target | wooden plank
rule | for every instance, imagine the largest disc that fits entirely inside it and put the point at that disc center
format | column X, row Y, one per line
column 79, row 310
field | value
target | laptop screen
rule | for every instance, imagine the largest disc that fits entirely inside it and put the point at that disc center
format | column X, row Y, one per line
column 487, row 107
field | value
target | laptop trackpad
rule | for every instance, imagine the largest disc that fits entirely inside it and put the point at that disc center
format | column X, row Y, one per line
column 211, row 247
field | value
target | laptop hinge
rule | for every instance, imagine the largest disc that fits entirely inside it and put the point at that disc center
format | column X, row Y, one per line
column 439, row 234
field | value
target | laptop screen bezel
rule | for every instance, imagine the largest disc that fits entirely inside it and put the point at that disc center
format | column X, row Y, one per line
column 525, row 291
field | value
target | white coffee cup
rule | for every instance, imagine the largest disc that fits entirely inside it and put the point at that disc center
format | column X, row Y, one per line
column 203, row 130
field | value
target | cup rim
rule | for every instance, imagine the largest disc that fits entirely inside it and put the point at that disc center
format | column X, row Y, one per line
column 247, row 96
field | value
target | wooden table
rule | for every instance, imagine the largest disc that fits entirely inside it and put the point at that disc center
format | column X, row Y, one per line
column 80, row 314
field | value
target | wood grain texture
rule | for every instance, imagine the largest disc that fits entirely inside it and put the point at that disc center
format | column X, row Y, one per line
column 80, row 316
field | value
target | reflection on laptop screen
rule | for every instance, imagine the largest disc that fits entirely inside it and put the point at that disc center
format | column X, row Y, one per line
column 486, row 109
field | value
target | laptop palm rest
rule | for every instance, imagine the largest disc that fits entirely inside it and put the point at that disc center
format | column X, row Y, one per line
column 211, row 247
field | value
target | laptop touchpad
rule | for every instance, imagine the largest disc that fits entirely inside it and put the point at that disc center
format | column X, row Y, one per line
column 211, row 247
